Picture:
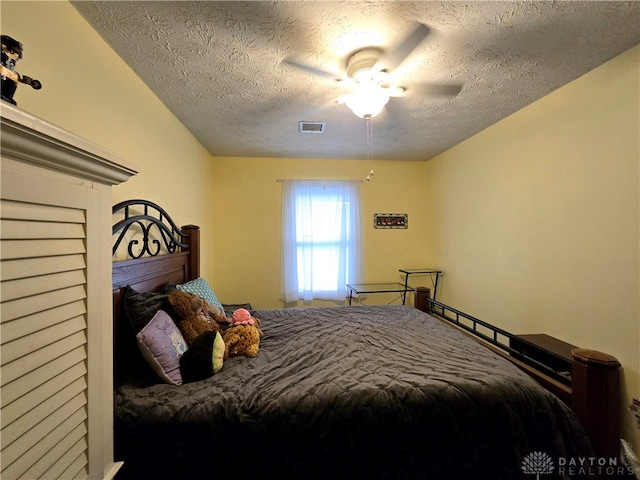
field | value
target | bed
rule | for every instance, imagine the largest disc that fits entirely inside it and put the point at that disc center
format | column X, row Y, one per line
column 335, row 392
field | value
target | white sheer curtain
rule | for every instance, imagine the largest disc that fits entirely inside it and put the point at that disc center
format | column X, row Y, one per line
column 320, row 239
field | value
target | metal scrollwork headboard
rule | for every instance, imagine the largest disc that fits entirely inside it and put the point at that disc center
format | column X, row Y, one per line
column 154, row 229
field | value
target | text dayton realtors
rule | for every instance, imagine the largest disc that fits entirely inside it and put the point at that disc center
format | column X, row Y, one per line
column 593, row 466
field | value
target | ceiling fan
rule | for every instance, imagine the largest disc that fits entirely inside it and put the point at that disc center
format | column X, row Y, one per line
column 368, row 73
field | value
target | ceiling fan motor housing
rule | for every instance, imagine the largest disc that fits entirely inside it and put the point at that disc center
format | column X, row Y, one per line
column 361, row 63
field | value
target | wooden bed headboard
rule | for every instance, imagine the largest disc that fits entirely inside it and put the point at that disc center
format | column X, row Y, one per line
column 158, row 253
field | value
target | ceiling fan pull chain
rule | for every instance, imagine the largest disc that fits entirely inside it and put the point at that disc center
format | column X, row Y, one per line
column 369, row 121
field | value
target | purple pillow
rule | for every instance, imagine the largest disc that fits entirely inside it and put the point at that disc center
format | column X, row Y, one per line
column 162, row 345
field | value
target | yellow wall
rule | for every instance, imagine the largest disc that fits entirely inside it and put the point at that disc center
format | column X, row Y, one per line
column 536, row 219
column 246, row 202
column 90, row 91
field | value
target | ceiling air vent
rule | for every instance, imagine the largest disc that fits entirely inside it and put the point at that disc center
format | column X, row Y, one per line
column 311, row 127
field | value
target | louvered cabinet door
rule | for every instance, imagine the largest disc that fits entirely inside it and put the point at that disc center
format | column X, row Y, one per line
column 51, row 321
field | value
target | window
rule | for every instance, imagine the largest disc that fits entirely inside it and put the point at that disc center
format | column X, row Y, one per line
column 321, row 239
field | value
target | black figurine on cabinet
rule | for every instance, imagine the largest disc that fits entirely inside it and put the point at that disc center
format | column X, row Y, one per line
column 11, row 53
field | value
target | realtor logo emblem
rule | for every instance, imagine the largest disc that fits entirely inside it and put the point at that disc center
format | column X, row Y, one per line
column 540, row 463
column 537, row 463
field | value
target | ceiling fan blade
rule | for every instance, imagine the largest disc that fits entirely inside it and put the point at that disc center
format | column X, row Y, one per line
column 434, row 89
column 310, row 69
column 390, row 60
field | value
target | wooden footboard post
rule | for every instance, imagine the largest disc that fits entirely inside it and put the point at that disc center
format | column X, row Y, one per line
column 595, row 398
column 193, row 240
column 420, row 299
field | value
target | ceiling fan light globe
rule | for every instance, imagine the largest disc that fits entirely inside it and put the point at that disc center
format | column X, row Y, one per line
column 367, row 101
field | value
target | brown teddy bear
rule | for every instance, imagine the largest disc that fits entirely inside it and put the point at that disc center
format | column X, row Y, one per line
column 243, row 338
column 192, row 315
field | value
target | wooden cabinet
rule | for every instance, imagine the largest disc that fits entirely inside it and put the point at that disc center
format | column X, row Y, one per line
column 56, row 327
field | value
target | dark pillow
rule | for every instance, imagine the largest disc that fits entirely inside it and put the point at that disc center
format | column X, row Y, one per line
column 168, row 288
column 140, row 307
column 229, row 308
column 203, row 358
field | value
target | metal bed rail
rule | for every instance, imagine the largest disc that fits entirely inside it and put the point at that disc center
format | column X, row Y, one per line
column 497, row 337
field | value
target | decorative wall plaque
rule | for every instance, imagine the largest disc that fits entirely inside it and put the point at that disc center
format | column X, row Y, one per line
column 390, row 220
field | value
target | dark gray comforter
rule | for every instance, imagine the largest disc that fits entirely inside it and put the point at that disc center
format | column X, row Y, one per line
column 347, row 392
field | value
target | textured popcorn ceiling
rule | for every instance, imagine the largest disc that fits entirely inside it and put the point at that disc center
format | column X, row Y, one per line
column 218, row 66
